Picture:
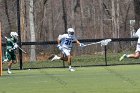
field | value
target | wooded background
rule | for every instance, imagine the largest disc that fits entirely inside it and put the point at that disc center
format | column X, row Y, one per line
column 44, row 20
column 91, row 18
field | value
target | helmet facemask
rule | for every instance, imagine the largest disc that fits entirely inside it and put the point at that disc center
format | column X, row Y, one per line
column 70, row 31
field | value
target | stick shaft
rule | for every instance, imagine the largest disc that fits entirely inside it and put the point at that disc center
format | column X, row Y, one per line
column 21, row 49
column 103, row 42
column 92, row 43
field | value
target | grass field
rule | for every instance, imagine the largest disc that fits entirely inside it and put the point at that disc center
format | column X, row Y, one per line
column 101, row 79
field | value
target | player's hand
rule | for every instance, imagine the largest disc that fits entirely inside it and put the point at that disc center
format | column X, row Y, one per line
column 82, row 45
column 15, row 46
column 59, row 47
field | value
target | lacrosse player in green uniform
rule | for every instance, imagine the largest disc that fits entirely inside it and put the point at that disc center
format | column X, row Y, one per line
column 11, row 46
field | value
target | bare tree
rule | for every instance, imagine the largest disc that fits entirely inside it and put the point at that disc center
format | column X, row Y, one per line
column 115, row 22
column 101, row 18
column 22, row 7
column 137, row 13
column 32, row 31
column 64, row 14
column 7, row 14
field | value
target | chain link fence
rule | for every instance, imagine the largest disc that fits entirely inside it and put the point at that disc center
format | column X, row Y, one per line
column 93, row 55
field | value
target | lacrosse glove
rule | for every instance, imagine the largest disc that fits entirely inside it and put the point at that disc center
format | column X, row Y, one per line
column 15, row 46
column 59, row 47
column 82, row 45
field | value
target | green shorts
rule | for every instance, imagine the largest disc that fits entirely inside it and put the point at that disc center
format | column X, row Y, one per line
column 10, row 55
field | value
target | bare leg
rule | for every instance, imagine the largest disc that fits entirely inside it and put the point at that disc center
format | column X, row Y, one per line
column 135, row 56
column 10, row 65
column 69, row 61
column 64, row 58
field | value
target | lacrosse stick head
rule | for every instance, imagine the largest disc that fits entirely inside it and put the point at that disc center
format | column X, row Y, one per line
column 105, row 42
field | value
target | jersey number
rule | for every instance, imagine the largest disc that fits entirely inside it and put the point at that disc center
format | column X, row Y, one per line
column 68, row 42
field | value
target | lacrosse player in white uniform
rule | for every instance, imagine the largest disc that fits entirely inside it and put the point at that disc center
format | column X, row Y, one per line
column 136, row 55
column 65, row 45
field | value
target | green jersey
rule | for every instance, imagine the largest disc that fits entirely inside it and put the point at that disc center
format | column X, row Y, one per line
column 10, row 50
column 10, row 43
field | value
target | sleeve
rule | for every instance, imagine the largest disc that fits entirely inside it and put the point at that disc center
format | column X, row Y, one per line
column 61, row 37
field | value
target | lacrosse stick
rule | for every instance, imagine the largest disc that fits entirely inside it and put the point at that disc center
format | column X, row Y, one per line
column 102, row 42
column 105, row 42
column 17, row 46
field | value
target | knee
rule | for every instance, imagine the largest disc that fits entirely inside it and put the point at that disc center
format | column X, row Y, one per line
column 65, row 58
column 14, row 62
column 136, row 56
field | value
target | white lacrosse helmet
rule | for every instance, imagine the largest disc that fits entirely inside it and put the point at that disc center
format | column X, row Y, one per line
column 14, row 34
column 70, row 31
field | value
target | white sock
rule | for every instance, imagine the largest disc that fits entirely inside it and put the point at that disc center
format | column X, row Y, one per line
column 127, row 56
column 9, row 69
column 58, row 57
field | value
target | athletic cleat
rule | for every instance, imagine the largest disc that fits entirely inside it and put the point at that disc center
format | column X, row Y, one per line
column 9, row 72
column 122, row 57
column 71, row 69
column 50, row 57
column 55, row 58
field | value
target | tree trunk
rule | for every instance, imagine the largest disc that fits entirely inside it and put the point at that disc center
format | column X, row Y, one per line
column 23, row 37
column 115, row 19
column 72, row 12
column 115, row 22
column 64, row 15
column 101, row 19
column 137, row 13
column 32, row 32
column 7, row 14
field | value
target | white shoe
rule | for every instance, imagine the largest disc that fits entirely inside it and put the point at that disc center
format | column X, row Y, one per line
column 55, row 58
column 122, row 57
column 9, row 72
column 71, row 69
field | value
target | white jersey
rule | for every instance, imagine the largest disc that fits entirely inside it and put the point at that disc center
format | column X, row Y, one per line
column 138, row 33
column 138, row 42
column 66, row 40
column 138, row 45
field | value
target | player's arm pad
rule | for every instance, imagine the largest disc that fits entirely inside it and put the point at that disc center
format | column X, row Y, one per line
column 59, row 47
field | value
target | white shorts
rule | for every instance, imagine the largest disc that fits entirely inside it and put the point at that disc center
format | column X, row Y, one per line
column 66, row 51
column 138, row 48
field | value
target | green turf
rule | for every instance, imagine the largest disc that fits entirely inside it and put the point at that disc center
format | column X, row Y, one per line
column 110, row 79
column 81, row 61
